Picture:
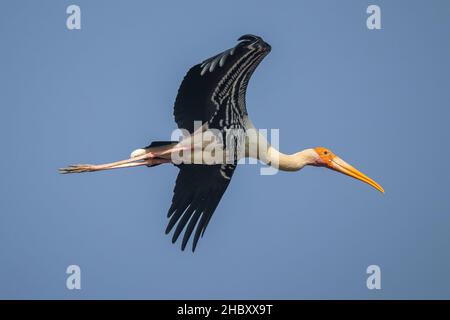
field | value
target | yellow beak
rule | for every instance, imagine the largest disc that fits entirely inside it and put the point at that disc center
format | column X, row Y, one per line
column 341, row 166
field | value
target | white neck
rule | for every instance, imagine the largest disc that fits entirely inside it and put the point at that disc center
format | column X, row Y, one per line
column 290, row 162
column 258, row 147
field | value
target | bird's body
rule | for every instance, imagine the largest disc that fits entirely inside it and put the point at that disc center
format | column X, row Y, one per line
column 210, row 109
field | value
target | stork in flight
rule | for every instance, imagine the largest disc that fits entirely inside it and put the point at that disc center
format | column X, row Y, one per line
column 213, row 94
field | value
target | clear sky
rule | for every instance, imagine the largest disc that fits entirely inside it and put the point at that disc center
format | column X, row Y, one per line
column 378, row 98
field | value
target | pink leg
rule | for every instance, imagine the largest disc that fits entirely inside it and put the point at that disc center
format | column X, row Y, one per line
column 79, row 168
column 149, row 158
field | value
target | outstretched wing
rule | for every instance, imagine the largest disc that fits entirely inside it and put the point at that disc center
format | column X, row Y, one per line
column 197, row 193
column 214, row 90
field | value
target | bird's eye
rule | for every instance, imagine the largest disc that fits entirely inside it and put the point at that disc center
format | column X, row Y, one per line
column 325, row 152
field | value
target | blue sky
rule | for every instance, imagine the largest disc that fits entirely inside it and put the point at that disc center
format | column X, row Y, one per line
column 377, row 98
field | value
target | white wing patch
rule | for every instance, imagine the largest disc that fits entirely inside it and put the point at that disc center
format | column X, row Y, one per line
column 211, row 64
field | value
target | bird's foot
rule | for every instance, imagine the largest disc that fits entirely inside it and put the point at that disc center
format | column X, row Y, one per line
column 78, row 168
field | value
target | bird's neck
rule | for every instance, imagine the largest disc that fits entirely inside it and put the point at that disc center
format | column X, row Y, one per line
column 290, row 162
column 258, row 147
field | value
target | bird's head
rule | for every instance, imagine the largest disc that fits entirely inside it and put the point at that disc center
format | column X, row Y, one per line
column 323, row 157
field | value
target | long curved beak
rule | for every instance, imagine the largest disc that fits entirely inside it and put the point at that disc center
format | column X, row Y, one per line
column 341, row 166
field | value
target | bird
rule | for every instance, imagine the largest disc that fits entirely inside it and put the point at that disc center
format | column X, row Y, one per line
column 210, row 109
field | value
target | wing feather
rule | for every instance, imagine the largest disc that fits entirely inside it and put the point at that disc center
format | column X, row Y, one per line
column 212, row 92
column 197, row 193
column 208, row 86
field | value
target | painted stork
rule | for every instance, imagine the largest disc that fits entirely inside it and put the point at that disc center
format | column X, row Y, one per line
column 213, row 94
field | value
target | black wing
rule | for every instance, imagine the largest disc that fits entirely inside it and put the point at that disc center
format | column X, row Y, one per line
column 197, row 193
column 212, row 92
column 217, row 86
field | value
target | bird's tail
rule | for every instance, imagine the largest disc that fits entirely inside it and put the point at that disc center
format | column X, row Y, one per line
column 156, row 147
column 155, row 144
